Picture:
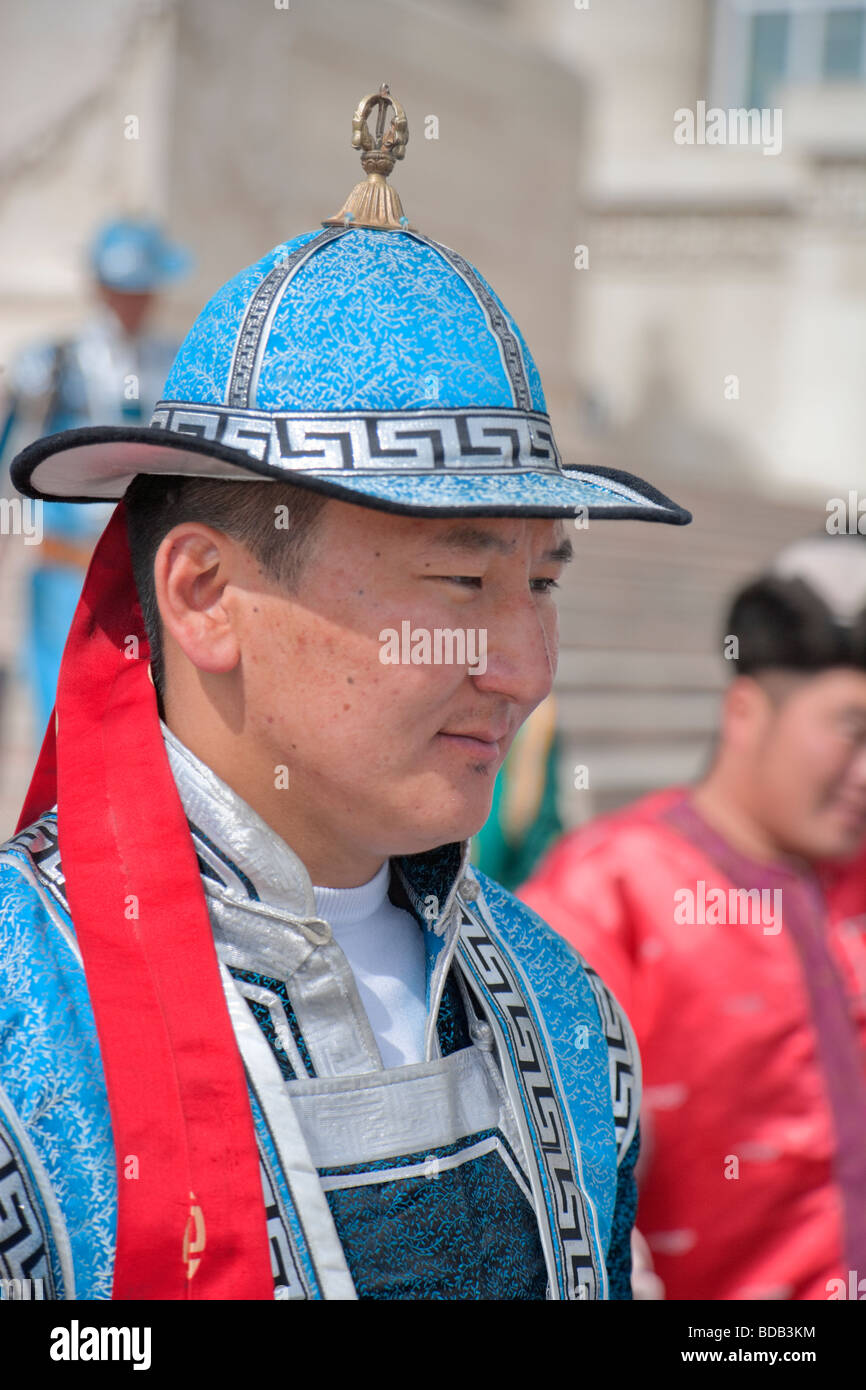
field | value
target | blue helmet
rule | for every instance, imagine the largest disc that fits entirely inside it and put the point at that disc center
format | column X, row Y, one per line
column 135, row 257
column 365, row 361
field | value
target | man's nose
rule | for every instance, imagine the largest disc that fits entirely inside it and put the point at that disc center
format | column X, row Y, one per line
column 522, row 650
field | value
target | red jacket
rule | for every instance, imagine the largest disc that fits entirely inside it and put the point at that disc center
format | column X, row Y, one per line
column 740, row 1197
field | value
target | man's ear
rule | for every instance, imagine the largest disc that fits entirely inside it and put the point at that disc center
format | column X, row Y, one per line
column 746, row 709
column 193, row 571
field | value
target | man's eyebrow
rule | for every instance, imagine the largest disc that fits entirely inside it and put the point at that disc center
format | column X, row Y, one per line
column 463, row 537
column 562, row 554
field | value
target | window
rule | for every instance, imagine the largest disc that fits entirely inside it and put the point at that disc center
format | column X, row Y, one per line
column 767, row 57
column 844, row 32
column 758, row 45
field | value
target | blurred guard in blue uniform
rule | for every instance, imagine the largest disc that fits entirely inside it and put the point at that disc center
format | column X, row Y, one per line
column 111, row 372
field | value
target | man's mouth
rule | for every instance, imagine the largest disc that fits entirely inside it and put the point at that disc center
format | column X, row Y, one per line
column 482, row 743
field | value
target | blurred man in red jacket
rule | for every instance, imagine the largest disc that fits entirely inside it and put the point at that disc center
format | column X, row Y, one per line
column 730, row 921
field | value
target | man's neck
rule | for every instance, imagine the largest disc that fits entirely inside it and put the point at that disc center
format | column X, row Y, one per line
column 729, row 815
column 329, row 863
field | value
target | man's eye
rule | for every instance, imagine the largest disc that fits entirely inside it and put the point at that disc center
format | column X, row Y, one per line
column 538, row 586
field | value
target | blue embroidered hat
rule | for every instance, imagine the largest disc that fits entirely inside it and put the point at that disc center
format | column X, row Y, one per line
column 135, row 257
column 365, row 361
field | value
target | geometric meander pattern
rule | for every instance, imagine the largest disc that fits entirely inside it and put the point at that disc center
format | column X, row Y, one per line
column 24, row 1244
column 252, row 339
column 404, row 441
column 289, row 1281
column 40, row 842
column 568, row 1218
column 622, row 1051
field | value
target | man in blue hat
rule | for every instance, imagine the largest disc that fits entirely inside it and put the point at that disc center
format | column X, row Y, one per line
column 111, row 371
column 266, row 1033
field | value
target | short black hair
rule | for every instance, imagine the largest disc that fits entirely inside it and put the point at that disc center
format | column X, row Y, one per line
column 783, row 624
column 246, row 511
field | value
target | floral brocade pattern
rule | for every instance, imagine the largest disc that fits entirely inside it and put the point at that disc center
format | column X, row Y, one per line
column 372, row 321
column 463, row 1233
column 52, row 1074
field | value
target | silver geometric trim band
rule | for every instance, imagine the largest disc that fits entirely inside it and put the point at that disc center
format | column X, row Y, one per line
column 396, row 441
column 254, row 330
column 624, row 1062
column 569, row 1217
column 24, row 1240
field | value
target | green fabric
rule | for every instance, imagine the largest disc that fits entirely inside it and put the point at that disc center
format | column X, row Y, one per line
column 511, row 864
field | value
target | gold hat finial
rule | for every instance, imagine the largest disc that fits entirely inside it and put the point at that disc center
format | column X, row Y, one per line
column 374, row 203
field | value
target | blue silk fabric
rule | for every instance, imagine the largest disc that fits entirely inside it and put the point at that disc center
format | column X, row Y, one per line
column 495, row 1212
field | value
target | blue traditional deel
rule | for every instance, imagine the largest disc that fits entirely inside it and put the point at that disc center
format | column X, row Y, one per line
column 366, row 361
column 557, row 1155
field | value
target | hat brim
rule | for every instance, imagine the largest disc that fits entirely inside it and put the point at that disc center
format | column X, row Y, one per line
column 97, row 464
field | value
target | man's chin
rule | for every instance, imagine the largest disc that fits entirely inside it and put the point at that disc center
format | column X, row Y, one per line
column 428, row 813
column 845, row 847
column 837, row 842
column 445, row 832
column 427, row 843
